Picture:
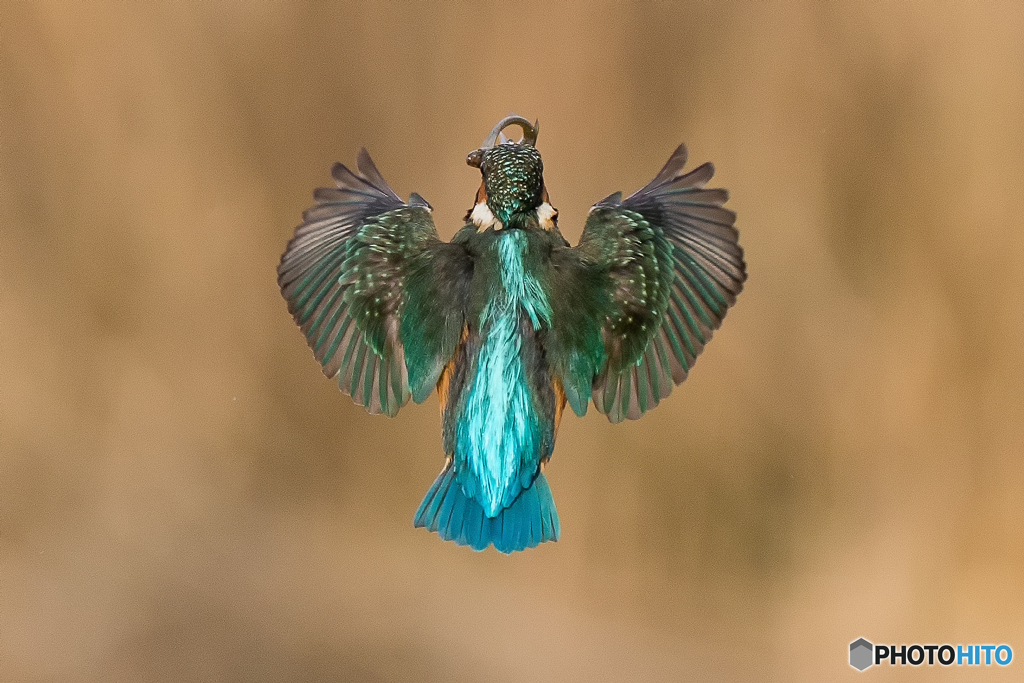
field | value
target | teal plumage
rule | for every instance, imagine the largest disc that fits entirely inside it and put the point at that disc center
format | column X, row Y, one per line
column 507, row 321
column 498, row 429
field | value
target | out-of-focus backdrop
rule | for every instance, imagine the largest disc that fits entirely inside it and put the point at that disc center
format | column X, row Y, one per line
column 184, row 497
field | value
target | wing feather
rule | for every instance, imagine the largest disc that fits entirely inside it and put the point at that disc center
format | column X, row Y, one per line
column 349, row 274
column 672, row 267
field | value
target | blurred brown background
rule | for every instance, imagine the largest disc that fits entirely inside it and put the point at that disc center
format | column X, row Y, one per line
column 183, row 496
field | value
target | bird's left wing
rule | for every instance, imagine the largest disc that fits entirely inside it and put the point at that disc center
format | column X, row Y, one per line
column 379, row 297
column 651, row 279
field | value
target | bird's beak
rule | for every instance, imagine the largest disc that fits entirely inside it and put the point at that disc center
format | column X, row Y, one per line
column 476, row 157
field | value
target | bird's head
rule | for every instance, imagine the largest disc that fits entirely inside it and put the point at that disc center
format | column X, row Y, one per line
column 512, row 191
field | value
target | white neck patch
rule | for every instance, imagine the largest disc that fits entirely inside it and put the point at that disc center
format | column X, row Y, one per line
column 546, row 216
column 482, row 216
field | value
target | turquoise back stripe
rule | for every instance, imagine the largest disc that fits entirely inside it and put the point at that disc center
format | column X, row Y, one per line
column 498, row 433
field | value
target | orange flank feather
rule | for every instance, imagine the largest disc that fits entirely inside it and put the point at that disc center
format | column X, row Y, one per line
column 446, row 375
column 556, row 384
column 442, row 384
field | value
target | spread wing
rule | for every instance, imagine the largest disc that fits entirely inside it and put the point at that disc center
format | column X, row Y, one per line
column 379, row 297
column 651, row 279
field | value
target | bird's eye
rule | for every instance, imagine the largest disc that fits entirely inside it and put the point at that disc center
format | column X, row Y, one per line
column 475, row 158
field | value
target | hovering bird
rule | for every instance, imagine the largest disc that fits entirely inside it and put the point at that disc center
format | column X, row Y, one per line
column 507, row 321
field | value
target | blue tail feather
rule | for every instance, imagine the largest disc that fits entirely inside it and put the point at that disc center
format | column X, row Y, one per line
column 536, row 529
column 531, row 519
column 474, row 530
column 549, row 517
column 521, row 528
column 457, row 523
column 509, row 526
column 530, row 504
column 444, row 514
column 429, row 506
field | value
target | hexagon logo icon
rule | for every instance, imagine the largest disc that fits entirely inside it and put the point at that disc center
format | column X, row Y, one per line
column 861, row 654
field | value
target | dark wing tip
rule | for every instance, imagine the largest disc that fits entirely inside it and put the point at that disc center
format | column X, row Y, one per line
column 416, row 200
column 342, row 175
column 367, row 187
column 368, row 170
column 365, row 164
column 614, row 199
column 673, row 166
column 698, row 177
column 679, row 156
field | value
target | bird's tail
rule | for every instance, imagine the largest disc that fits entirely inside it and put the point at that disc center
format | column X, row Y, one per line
column 530, row 519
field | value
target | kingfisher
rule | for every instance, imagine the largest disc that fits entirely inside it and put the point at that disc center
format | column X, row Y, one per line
column 507, row 322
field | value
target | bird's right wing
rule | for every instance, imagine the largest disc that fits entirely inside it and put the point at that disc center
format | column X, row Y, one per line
column 379, row 297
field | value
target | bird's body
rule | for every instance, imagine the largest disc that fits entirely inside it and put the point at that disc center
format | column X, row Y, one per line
column 507, row 321
column 500, row 402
